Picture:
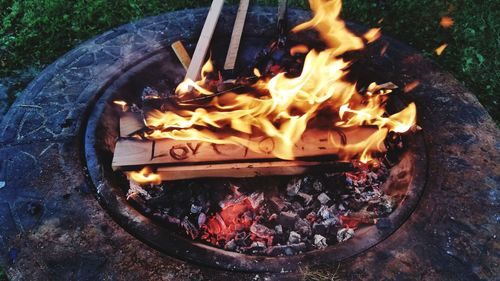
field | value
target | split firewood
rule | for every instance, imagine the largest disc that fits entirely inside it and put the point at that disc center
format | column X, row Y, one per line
column 245, row 170
column 181, row 54
column 201, row 49
column 234, row 44
column 130, row 123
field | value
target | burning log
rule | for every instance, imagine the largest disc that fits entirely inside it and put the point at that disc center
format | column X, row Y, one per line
column 179, row 159
column 243, row 170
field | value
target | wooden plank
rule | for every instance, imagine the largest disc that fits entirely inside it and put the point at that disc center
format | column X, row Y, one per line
column 181, row 54
column 130, row 123
column 245, row 170
column 234, row 44
column 200, row 52
column 129, row 154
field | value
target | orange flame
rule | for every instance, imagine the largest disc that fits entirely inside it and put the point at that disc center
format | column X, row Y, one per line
column 440, row 49
column 446, row 22
column 283, row 114
column 145, row 176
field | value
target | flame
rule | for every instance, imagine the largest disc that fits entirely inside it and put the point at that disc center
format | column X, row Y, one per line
column 187, row 85
column 440, row 49
column 122, row 104
column 446, row 22
column 145, row 176
column 288, row 104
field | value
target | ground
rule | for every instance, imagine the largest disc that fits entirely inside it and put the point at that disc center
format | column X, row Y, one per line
column 34, row 33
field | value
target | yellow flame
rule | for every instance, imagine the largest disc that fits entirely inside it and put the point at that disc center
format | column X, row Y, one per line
column 122, row 104
column 289, row 104
column 187, row 85
column 145, row 176
column 440, row 49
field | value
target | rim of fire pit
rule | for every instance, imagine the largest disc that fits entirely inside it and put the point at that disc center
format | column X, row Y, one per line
column 112, row 198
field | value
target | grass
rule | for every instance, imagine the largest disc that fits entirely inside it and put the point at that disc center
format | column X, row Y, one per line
column 33, row 33
column 331, row 273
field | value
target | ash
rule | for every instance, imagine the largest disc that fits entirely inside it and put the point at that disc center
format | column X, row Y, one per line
column 273, row 216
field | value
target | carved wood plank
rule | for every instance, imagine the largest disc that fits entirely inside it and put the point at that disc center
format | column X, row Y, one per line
column 314, row 142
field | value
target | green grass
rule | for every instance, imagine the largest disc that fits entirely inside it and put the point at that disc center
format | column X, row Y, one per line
column 33, row 33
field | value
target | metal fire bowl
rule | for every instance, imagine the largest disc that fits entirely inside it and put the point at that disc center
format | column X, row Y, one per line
column 53, row 228
column 162, row 70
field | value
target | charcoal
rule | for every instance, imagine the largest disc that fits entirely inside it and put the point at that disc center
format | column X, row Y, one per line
column 135, row 188
column 307, row 198
column 312, row 217
column 202, row 218
column 320, row 241
column 373, row 176
column 331, row 222
column 286, row 250
column 294, row 237
column 287, row 219
column 319, row 228
column 278, row 203
column 261, row 231
column 297, row 216
column 293, row 186
column 297, row 207
column 195, row 209
column 325, row 213
column 231, row 245
column 323, row 198
column 257, row 247
column 318, row 185
column 172, row 220
column 256, row 199
column 150, row 93
column 190, row 229
column 303, row 227
column 138, row 202
column 345, row 234
column 278, row 229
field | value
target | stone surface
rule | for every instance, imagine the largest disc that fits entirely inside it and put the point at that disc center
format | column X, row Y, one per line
column 52, row 227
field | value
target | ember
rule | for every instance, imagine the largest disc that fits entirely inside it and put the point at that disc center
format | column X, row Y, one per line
column 301, row 106
column 240, row 215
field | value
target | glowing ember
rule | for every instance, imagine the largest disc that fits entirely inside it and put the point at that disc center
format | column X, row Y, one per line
column 285, row 105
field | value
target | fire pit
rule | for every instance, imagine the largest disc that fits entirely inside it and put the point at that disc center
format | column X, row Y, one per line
column 442, row 231
column 405, row 181
column 262, row 218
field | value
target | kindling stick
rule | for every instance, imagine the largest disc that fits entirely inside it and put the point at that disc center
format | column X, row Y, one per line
column 234, row 44
column 181, row 54
column 200, row 52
